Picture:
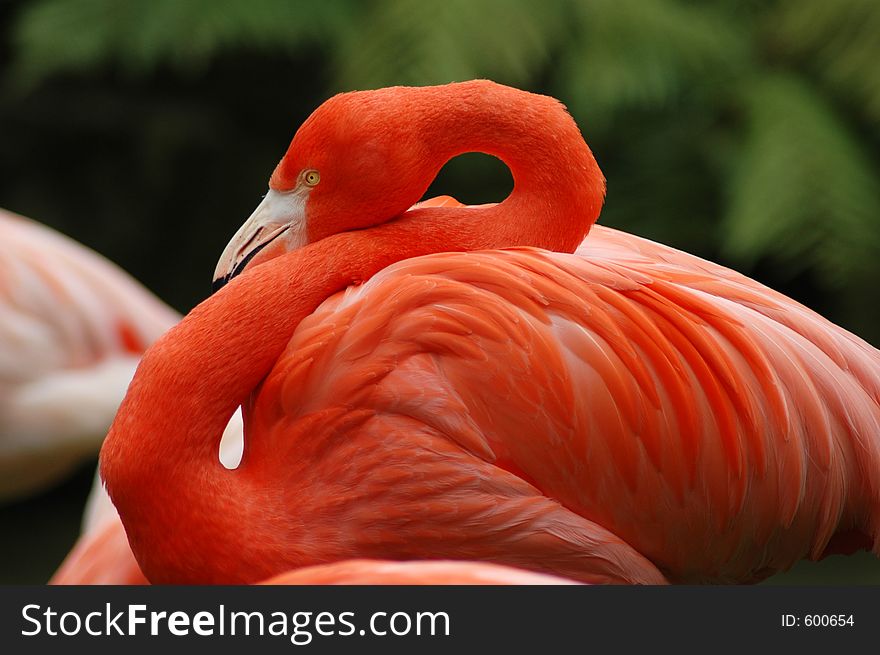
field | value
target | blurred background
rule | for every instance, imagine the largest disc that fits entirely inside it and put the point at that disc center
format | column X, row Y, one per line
column 747, row 132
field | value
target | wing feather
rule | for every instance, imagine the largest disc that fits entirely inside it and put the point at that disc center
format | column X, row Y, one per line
column 670, row 400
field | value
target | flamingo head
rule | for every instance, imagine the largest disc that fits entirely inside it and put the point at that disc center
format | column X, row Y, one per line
column 359, row 160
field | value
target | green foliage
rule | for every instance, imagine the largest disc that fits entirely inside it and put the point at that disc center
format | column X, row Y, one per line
column 418, row 42
column 839, row 40
column 802, row 190
column 55, row 36
column 746, row 130
column 646, row 54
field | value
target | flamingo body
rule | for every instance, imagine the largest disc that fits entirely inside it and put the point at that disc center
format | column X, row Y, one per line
column 376, row 572
column 667, row 399
column 449, row 382
column 101, row 556
column 72, row 329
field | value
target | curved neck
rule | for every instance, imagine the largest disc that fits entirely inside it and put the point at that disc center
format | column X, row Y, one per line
column 183, row 511
column 180, row 507
column 558, row 187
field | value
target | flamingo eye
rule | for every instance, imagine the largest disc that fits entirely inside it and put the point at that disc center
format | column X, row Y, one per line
column 311, row 177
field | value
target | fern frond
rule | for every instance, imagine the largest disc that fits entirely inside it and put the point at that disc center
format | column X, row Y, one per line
column 841, row 39
column 803, row 190
column 644, row 53
column 57, row 36
column 418, row 42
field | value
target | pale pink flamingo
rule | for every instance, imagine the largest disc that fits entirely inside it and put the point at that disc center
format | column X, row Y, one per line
column 72, row 329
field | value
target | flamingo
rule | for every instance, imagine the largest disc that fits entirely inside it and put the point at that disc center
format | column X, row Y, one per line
column 72, row 329
column 487, row 383
column 101, row 556
column 377, row 572
column 105, row 558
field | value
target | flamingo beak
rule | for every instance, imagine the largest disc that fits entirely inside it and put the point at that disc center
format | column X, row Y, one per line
column 280, row 218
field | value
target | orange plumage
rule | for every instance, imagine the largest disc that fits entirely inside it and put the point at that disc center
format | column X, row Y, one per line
column 625, row 413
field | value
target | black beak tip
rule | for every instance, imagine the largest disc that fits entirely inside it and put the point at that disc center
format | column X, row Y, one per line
column 219, row 283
